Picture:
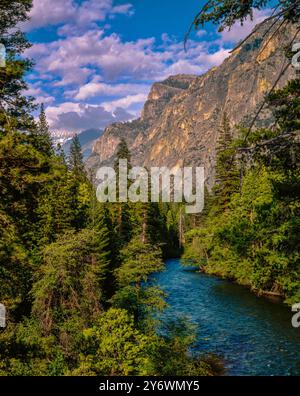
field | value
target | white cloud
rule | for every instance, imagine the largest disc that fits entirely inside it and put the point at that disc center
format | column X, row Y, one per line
column 182, row 66
column 201, row 33
column 73, row 60
column 214, row 59
column 95, row 65
column 39, row 95
column 55, row 12
column 125, row 103
column 238, row 32
column 75, row 117
column 95, row 88
column 86, row 62
column 44, row 99
column 76, row 59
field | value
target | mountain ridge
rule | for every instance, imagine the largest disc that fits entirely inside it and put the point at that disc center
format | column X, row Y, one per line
column 179, row 125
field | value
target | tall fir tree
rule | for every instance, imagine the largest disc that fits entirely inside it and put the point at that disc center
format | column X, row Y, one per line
column 76, row 159
column 227, row 175
column 123, row 216
column 123, row 153
column 42, row 137
column 15, row 108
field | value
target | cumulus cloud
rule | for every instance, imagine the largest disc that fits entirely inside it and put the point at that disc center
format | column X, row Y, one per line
column 126, row 102
column 45, row 99
column 75, row 59
column 182, row 66
column 86, row 63
column 238, row 32
column 96, row 88
column 89, row 12
column 38, row 94
column 214, row 59
column 74, row 117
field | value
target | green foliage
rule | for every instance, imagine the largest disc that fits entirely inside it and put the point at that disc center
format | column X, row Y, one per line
column 41, row 135
column 123, row 153
column 227, row 12
column 171, row 358
column 70, row 281
column 139, row 261
column 115, row 347
column 14, row 266
column 227, row 175
column 64, row 205
column 76, row 159
column 141, row 303
column 286, row 105
column 12, row 76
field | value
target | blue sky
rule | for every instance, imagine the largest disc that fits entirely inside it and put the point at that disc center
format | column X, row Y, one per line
column 97, row 59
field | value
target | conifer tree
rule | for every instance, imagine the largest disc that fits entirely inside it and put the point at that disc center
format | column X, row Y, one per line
column 285, row 104
column 68, row 294
column 227, row 176
column 15, row 108
column 139, row 261
column 76, row 159
column 61, row 154
column 122, row 153
column 123, row 220
column 42, row 138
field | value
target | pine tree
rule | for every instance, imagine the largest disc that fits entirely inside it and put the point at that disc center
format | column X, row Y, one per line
column 61, row 154
column 15, row 108
column 284, row 156
column 139, row 261
column 70, row 285
column 285, row 104
column 227, row 176
column 123, row 221
column 14, row 266
column 76, row 159
column 41, row 137
column 123, row 153
column 24, row 170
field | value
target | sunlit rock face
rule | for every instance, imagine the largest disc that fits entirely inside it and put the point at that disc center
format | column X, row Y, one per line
column 180, row 122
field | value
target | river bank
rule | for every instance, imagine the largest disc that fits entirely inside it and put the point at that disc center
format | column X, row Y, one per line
column 253, row 335
column 276, row 297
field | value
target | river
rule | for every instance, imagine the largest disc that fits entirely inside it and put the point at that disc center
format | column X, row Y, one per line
column 252, row 334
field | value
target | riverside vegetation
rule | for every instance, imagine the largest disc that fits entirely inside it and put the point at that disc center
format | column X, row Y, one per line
column 249, row 231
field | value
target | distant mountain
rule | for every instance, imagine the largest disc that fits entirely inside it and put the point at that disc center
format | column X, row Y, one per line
column 180, row 123
column 87, row 139
column 61, row 137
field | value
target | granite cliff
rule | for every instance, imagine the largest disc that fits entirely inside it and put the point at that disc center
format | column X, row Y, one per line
column 180, row 122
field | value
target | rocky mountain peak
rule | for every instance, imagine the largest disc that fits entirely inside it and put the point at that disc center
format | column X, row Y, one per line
column 181, row 119
column 162, row 92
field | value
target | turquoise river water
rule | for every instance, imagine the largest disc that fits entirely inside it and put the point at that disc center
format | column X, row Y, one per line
column 253, row 335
